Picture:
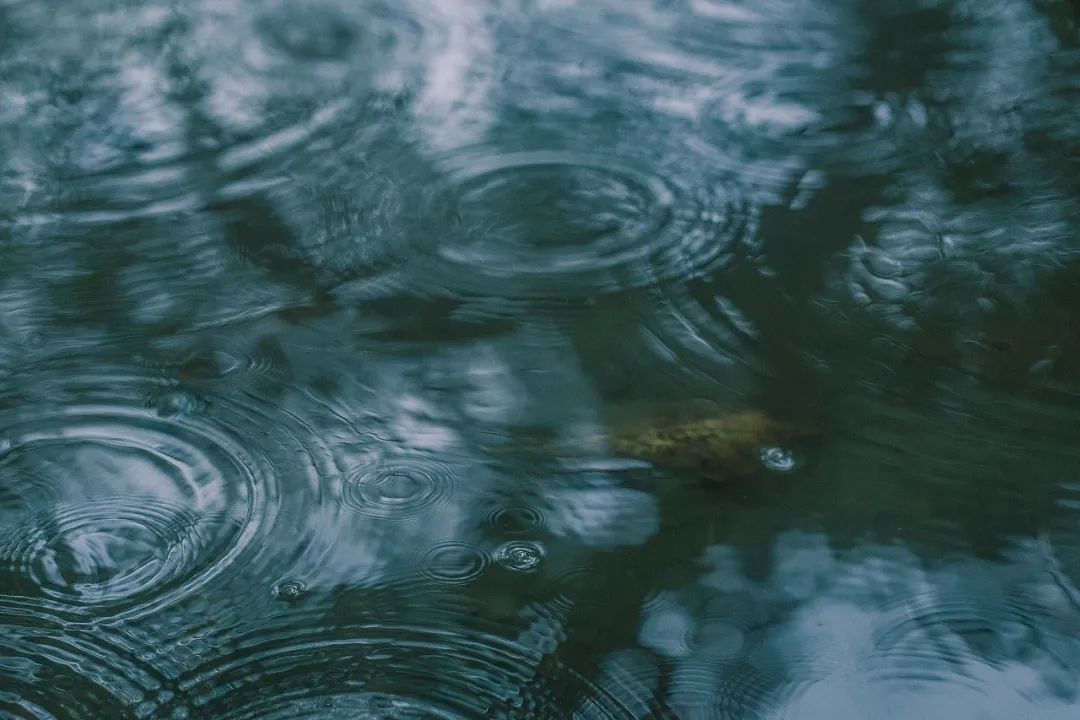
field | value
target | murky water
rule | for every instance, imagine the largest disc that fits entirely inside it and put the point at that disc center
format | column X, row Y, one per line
column 540, row 359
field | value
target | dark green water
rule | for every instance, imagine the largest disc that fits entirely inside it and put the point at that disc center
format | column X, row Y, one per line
column 318, row 321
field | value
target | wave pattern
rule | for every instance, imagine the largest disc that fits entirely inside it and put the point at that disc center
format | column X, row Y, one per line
column 552, row 223
column 389, row 669
column 165, row 507
column 322, row 324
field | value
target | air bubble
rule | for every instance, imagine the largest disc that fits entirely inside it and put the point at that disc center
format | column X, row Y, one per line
column 520, row 556
column 778, row 459
column 290, row 590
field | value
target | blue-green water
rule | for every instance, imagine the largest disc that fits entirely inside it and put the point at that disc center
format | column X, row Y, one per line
column 324, row 326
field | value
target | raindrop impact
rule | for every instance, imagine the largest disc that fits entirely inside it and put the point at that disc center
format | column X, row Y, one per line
column 398, row 488
column 778, row 459
column 520, row 556
column 290, row 590
column 453, row 563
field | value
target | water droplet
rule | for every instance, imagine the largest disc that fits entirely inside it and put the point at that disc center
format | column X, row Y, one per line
column 520, row 556
column 290, row 590
column 778, row 459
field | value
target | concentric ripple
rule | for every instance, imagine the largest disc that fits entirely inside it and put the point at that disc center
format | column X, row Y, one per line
column 516, row 519
column 383, row 671
column 311, row 80
column 49, row 674
column 105, row 551
column 210, row 102
column 520, row 556
column 114, row 509
column 398, row 488
column 454, row 563
column 557, row 223
column 123, row 493
column 289, row 590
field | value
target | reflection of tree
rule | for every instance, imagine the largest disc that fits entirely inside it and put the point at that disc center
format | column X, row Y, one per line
column 874, row 627
column 910, row 466
column 962, row 277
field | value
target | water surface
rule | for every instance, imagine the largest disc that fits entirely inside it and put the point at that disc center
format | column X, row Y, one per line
column 320, row 320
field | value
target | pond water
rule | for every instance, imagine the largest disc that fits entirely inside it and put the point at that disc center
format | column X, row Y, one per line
column 621, row 359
